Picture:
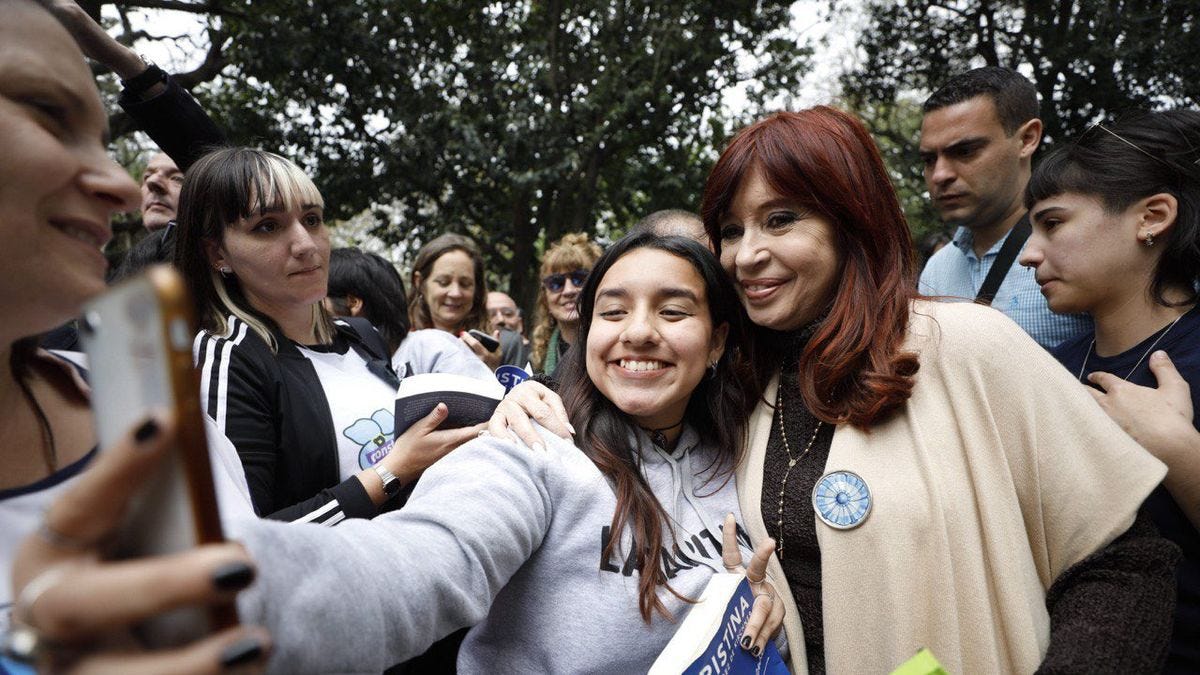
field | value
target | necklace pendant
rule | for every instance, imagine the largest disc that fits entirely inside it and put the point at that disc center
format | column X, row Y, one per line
column 791, row 463
column 842, row 500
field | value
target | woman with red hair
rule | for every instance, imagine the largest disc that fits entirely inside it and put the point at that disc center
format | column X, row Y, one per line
column 930, row 474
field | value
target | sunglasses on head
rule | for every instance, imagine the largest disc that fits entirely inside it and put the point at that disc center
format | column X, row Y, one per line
column 556, row 282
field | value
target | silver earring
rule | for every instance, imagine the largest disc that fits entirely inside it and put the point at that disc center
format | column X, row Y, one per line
column 712, row 370
column 1149, row 239
column 225, row 270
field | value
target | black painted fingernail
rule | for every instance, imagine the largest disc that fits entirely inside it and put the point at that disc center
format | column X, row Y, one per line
column 746, row 642
column 148, row 430
column 756, row 652
column 242, row 652
column 233, row 576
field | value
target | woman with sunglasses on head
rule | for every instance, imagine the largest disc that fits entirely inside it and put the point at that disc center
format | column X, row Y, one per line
column 1116, row 234
column 577, row 558
column 307, row 401
column 565, row 267
column 930, row 474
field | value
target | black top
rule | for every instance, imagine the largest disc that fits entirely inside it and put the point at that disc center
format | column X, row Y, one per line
column 1182, row 344
column 795, row 528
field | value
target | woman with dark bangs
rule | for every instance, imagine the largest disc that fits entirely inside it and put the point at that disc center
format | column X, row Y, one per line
column 930, row 475
column 1116, row 234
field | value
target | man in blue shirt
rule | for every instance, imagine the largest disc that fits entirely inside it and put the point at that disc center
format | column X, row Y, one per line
column 978, row 137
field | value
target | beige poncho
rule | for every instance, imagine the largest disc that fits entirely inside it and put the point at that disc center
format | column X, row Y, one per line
column 998, row 474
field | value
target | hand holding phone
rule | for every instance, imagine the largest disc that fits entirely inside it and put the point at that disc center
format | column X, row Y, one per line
column 138, row 337
column 85, row 605
column 489, row 343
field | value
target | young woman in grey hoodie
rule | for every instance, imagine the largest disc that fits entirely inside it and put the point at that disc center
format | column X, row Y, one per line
column 565, row 557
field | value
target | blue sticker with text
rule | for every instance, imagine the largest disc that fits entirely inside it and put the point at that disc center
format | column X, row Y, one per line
column 511, row 376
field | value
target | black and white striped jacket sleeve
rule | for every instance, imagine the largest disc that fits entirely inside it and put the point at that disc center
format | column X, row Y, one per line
column 239, row 391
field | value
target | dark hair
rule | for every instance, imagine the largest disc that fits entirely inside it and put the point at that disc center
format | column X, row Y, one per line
column 852, row 369
column 418, row 309
column 377, row 284
column 717, row 411
column 221, row 188
column 1012, row 93
column 930, row 244
column 1143, row 154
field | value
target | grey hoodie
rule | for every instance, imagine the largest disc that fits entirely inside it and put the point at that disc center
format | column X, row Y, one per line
column 497, row 535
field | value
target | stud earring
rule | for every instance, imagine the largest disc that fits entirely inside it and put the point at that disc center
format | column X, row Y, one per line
column 1149, row 239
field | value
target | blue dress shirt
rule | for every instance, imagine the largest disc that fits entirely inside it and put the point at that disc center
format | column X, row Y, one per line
column 957, row 273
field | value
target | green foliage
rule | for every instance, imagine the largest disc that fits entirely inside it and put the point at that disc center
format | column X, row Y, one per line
column 512, row 121
column 1089, row 59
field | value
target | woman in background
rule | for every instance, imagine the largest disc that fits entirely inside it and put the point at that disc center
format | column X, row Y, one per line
column 450, row 294
column 365, row 285
column 1116, row 234
column 565, row 267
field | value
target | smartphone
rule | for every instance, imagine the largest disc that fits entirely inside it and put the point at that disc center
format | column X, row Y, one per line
column 489, row 343
column 138, row 338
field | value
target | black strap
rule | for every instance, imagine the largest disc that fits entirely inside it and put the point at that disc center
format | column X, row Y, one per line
column 1004, row 260
column 370, row 346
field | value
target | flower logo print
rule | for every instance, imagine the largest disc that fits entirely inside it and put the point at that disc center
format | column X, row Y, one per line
column 373, row 435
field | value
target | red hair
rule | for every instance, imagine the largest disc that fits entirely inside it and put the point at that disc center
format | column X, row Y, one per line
column 852, row 369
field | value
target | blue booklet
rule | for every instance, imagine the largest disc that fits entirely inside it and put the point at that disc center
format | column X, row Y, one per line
column 708, row 640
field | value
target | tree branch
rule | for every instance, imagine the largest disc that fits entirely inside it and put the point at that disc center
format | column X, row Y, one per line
column 962, row 13
column 214, row 61
column 210, row 8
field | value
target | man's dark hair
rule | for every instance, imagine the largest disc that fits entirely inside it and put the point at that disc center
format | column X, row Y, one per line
column 1012, row 93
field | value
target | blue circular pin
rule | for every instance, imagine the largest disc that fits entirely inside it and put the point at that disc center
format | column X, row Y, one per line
column 842, row 499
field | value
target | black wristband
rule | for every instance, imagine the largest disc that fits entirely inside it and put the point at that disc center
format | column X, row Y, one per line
column 139, row 83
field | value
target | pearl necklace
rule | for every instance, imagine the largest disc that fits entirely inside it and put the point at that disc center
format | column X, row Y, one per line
column 791, row 460
column 1154, row 344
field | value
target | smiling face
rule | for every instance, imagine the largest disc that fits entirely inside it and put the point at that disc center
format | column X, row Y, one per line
column 975, row 172
column 280, row 258
column 160, row 191
column 783, row 257
column 651, row 336
column 1087, row 259
column 58, row 187
column 450, row 290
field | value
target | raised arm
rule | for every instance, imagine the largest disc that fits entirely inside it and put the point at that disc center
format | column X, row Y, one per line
column 162, row 108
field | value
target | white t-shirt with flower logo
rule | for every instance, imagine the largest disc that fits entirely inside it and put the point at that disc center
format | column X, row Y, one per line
column 361, row 405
